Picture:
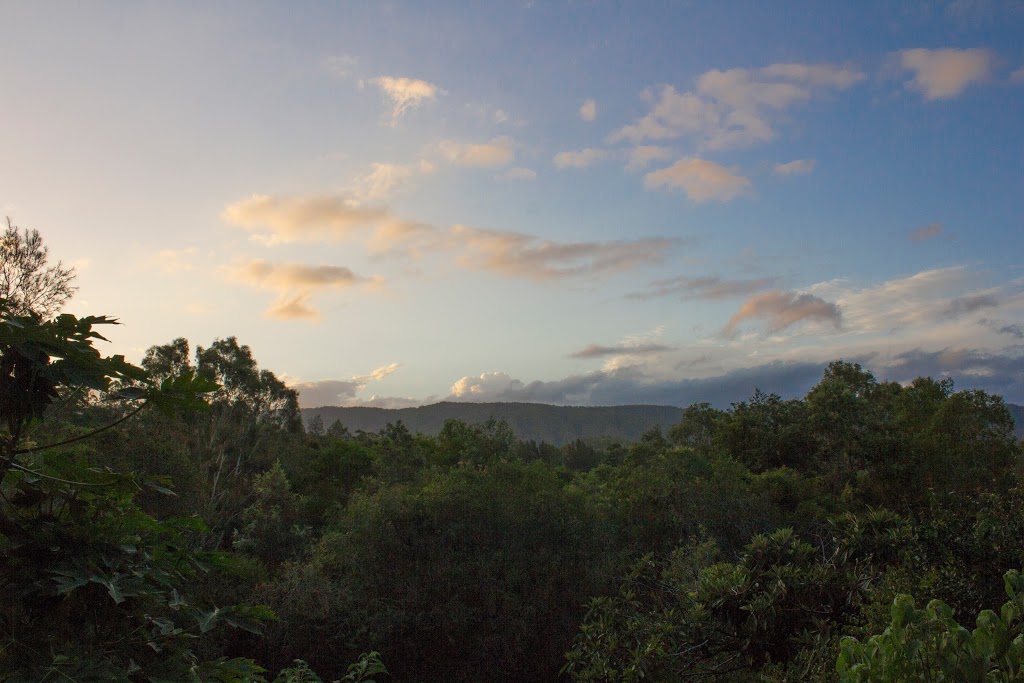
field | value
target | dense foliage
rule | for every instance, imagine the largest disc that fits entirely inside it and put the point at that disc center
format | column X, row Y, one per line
column 211, row 538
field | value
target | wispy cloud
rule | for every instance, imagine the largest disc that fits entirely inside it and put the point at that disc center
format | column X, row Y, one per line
column 327, row 218
column 1017, row 75
column 1013, row 330
column 519, row 255
column 500, row 151
column 642, row 156
column 969, row 304
column 579, row 159
column 384, row 179
column 700, row 179
column 795, row 167
column 519, row 173
column 1002, row 327
column 782, row 309
column 598, row 351
column 405, row 94
column 709, row 287
column 588, row 110
column 294, row 283
column 927, row 232
column 293, row 275
column 341, row 66
column 316, row 217
column 733, row 108
column 169, row 261
column 945, row 74
column 924, row 306
column 293, row 306
column 380, row 373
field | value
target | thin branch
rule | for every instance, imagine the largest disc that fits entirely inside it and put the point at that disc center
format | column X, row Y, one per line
column 28, row 470
column 94, row 432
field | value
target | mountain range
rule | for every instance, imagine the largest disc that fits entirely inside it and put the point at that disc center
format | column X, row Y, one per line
column 532, row 421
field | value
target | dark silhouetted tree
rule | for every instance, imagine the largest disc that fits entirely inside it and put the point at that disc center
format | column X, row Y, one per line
column 28, row 285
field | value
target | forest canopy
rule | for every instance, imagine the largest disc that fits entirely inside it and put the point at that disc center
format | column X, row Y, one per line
column 176, row 521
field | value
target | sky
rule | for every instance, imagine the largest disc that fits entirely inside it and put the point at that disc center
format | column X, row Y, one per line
column 580, row 203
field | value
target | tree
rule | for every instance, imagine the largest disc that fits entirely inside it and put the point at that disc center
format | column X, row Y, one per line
column 929, row 645
column 244, row 385
column 28, row 285
column 775, row 614
column 697, row 427
column 96, row 588
column 168, row 359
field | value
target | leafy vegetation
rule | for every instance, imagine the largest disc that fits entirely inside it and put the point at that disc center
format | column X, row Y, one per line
column 176, row 522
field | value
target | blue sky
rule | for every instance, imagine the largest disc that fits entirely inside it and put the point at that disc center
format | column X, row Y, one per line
column 568, row 202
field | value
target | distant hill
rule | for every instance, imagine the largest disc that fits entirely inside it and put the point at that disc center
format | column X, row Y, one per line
column 530, row 421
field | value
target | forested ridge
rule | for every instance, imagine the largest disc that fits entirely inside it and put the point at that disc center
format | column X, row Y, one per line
column 177, row 522
column 557, row 425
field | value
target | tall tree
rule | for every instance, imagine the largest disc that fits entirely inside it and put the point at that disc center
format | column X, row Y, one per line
column 27, row 284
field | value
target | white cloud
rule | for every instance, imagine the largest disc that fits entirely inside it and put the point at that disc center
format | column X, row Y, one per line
column 1017, row 76
column 795, row 167
column 500, row 151
column 485, row 385
column 405, row 94
column 700, row 179
column 588, row 111
column 945, row 74
column 733, row 108
column 580, row 159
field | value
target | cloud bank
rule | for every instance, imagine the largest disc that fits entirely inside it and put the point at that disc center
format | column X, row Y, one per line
column 334, row 392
